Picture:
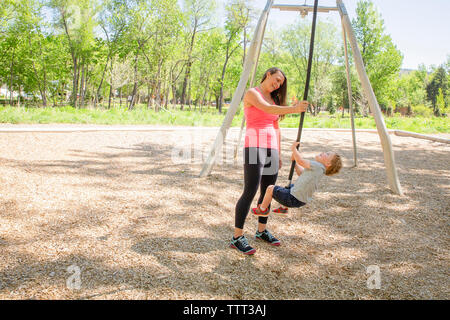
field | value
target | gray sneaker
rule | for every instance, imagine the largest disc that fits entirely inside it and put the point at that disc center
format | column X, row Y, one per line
column 241, row 244
column 267, row 237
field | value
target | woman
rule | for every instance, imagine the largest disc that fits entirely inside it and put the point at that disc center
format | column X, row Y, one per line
column 262, row 107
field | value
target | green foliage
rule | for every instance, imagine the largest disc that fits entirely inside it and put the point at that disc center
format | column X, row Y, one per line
column 407, row 90
column 422, row 110
column 438, row 87
column 90, row 52
column 440, row 102
column 331, row 108
column 381, row 57
column 208, row 117
column 295, row 40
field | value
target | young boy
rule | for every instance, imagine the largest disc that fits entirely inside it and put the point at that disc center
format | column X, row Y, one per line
column 301, row 192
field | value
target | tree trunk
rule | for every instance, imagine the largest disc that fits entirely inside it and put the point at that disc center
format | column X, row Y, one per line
column 188, row 66
column 83, row 67
column 203, row 102
column 42, row 89
column 44, row 94
column 18, row 98
column 85, row 85
column 74, row 81
column 149, row 94
column 174, row 95
column 11, row 98
column 185, row 83
column 133, row 95
column 245, row 46
column 206, row 86
column 101, row 80
column 166, row 89
column 221, row 82
column 110, row 85
column 189, row 95
column 158, row 86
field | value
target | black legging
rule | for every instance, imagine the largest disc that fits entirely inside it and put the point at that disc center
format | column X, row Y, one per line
column 260, row 169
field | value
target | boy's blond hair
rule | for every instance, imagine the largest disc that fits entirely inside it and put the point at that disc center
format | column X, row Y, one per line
column 335, row 166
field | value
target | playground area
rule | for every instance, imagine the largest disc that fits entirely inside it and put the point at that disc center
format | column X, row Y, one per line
column 139, row 225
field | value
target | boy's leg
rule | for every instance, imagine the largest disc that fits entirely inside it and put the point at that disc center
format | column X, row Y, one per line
column 282, row 209
column 267, row 198
column 263, row 208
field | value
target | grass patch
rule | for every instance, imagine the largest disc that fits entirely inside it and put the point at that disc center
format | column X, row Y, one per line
column 207, row 118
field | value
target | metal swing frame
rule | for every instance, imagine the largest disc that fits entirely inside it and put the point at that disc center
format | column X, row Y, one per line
column 249, row 71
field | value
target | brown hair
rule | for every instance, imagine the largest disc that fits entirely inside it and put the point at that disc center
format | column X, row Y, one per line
column 335, row 166
column 279, row 95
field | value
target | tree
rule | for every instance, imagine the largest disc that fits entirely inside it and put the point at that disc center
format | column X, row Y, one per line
column 166, row 28
column 380, row 56
column 58, row 67
column 20, row 37
column 198, row 13
column 209, row 59
column 296, row 40
column 339, row 91
column 37, row 57
column 75, row 18
column 438, row 85
column 113, row 20
column 138, row 35
column 440, row 102
column 271, row 51
column 6, row 14
column 237, row 18
column 10, row 45
column 408, row 90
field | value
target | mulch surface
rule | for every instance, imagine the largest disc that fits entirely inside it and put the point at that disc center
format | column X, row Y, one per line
column 128, row 211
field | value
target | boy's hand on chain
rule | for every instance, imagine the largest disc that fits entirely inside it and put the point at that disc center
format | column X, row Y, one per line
column 294, row 146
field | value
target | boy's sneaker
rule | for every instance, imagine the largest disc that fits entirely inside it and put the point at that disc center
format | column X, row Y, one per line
column 258, row 212
column 267, row 237
column 241, row 244
column 281, row 211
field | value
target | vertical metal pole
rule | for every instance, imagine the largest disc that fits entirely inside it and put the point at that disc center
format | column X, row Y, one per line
column 350, row 96
column 385, row 140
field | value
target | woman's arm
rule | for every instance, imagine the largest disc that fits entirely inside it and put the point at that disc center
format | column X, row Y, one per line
column 253, row 98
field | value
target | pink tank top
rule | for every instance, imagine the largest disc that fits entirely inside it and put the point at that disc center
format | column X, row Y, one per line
column 261, row 128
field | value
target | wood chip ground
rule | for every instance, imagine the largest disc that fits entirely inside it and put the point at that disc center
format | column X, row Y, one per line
column 128, row 210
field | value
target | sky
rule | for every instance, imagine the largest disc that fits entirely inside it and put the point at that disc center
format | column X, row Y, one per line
column 419, row 28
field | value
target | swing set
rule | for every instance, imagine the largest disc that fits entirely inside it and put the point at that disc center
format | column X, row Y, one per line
column 249, row 70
